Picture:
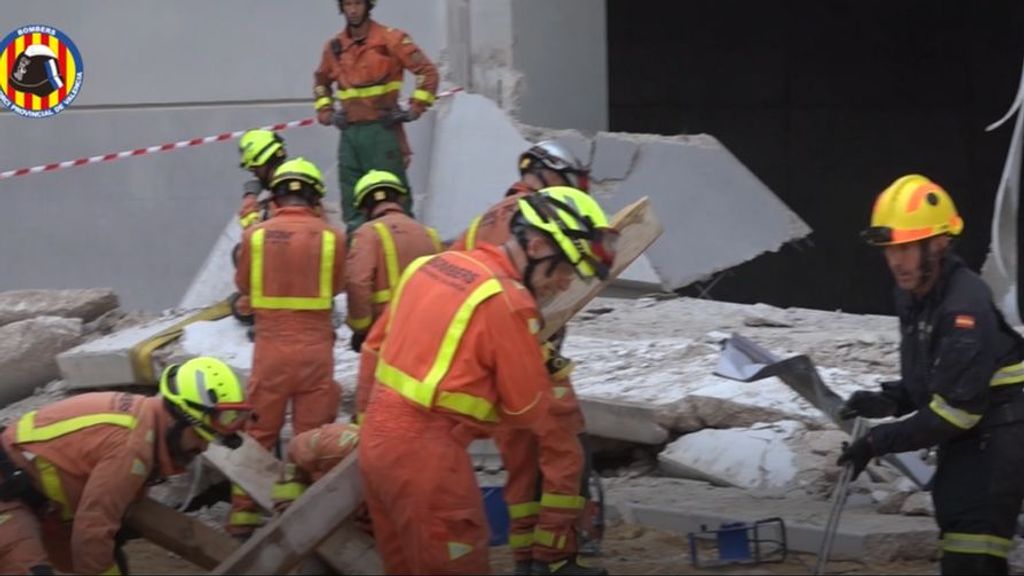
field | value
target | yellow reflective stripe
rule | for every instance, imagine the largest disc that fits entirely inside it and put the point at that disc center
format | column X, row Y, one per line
column 415, row 265
column 369, row 91
column 435, row 238
column 381, row 296
column 245, row 519
column 549, row 539
column 474, row 406
column 112, row 571
column 523, row 510
column 249, row 219
column 423, row 96
column 1012, row 374
column 955, row 416
column 52, row 487
column 550, row 500
column 27, row 432
column 328, row 244
column 520, row 540
column 359, row 324
column 471, row 233
column 287, row 491
column 390, row 257
column 321, row 102
column 423, row 392
column 237, row 490
column 976, row 544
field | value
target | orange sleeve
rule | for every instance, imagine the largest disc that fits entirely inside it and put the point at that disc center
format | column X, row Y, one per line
column 244, row 263
column 414, row 60
column 115, row 482
column 368, row 356
column 322, row 78
column 362, row 270
column 524, row 388
column 249, row 213
column 338, row 278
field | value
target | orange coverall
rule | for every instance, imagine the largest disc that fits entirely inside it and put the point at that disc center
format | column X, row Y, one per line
column 380, row 250
column 291, row 266
column 456, row 355
column 90, row 456
column 545, row 469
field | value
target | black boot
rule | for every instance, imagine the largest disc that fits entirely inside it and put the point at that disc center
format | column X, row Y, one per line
column 523, row 568
column 570, row 566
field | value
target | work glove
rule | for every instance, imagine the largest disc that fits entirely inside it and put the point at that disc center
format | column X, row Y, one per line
column 867, row 405
column 559, row 367
column 288, row 488
column 325, row 115
column 356, row 343
column 857, row 455
column 397, row 116
column 340, row 120
column 253, row 187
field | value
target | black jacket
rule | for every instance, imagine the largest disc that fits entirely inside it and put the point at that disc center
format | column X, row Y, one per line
column 952, row 342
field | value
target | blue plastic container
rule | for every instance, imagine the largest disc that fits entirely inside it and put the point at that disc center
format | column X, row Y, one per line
column 497, row 513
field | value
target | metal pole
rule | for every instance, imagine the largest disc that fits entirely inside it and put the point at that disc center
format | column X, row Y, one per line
column 838, row 501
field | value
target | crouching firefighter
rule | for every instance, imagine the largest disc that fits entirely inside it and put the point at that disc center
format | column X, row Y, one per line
column 961, row 376
column 71, row 469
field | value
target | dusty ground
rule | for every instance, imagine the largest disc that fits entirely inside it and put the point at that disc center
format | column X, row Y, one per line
column 628, row 549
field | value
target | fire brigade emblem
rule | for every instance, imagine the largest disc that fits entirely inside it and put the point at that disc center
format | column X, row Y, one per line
column 41, row 71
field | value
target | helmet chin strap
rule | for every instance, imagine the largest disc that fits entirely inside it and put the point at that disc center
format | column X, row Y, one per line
column 174, row 442
column 532, row 263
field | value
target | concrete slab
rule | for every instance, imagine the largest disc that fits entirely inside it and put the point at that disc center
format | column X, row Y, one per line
column 716, row 203
column 215, row 279
column 614, row 157
column 684, row 506
column 108, row 361
column 27, row 351
column 86, row 304
column 621, row 420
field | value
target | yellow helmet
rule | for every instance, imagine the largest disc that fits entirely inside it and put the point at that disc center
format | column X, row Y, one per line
column 379, row 181
column 291, row 175
column 576, row 224
column 258, row 146
column 912, row 208
column 205, row 393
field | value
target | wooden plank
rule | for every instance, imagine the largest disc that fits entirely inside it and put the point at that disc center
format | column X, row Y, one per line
column 280, row 545
column 347, row 549
column 185, row 536
column 638, row 228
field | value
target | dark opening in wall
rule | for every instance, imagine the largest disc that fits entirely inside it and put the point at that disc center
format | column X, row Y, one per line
column 827, row 102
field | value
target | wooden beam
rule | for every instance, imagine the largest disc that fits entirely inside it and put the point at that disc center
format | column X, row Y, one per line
column 185, row 536
column 638, row 228
column 280, row 545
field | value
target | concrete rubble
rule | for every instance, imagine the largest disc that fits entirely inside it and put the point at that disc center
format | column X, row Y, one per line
column 86, row 305
column 27, row 353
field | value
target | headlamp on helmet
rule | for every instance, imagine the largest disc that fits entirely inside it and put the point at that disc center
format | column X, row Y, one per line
column 297, row 176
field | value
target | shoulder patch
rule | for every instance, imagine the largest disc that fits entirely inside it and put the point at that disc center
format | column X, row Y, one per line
column 964, row 321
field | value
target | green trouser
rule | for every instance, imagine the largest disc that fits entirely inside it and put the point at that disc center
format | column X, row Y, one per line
column 364, row 147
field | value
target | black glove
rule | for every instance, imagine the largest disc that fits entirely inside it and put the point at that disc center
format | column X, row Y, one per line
column 357, row 341
column 857, row 455
column 339, row 119
column 397, row 116
column 867, row 405
column 253, row 187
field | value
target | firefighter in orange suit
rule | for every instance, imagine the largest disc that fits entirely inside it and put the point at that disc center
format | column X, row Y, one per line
column 291, row 267
column 381, row 248
column 69, row 470
column 454, row 357
column 311, row 455
column 546, row 473
column 366, row 62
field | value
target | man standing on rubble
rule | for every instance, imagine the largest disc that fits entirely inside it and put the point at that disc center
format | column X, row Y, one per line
column 381, row 249
column 366, row 61
column 456, row 356
column 69, row 471
column 547, row 473
column 291, row 267
column 961, row 376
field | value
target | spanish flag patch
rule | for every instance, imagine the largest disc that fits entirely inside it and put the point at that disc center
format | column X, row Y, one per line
column 964, row 321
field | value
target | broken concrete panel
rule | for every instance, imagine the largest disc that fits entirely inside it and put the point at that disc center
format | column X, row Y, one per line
column 622, row 421
column 27, row 353
column 614, row 156
column 717, row 202
column 473, row 162
column 777, row 458
column 86, row 304
column 215, row 279
column 107, row 361
column 683, row 506
column 918, row 504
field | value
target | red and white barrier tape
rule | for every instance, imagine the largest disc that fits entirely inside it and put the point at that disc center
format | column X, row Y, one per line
column 164, row 147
